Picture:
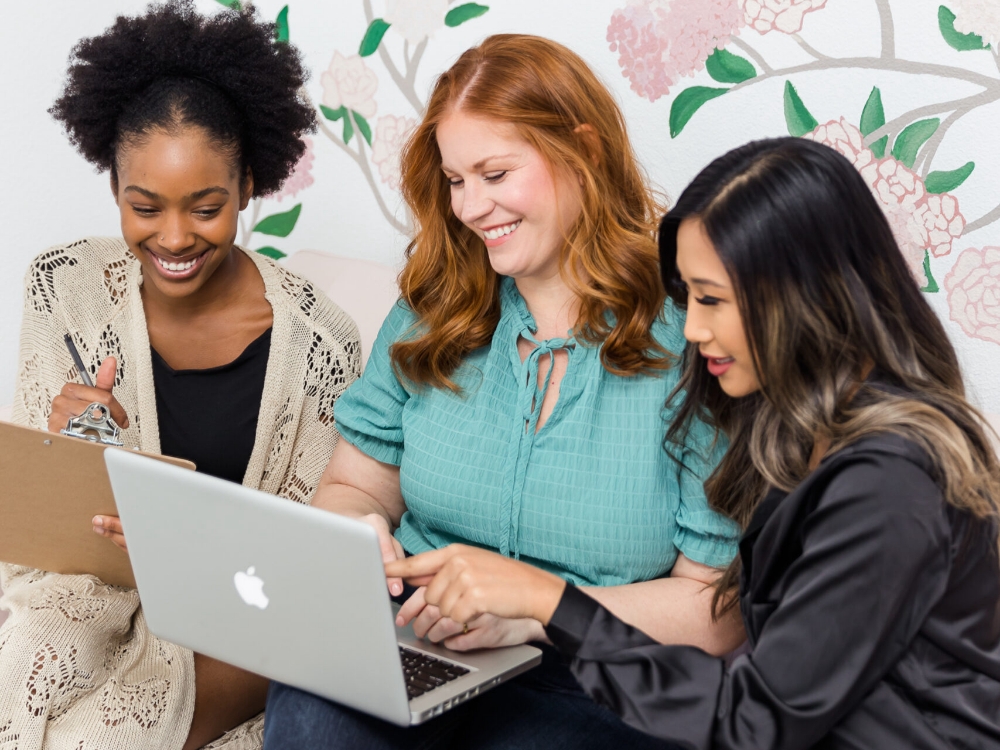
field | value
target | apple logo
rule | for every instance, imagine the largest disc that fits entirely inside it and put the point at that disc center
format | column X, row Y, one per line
column 251, row 588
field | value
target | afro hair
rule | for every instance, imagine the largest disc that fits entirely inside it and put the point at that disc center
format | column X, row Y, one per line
column 174, row 67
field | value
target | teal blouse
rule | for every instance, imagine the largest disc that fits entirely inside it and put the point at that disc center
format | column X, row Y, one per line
column 592, row 496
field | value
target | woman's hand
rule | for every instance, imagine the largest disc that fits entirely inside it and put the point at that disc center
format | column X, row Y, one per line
column 74, row 398
column 485, row 631
column 466, row 582
column 110, row 527
column 390, row 548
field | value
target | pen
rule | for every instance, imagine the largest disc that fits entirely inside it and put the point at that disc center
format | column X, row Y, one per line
column 77, row 361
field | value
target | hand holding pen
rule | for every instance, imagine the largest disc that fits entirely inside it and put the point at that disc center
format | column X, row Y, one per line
column 74, row 398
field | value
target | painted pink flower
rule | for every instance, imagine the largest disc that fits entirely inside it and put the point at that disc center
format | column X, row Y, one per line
column 783, row 15
column 920, row 222
column 978, row 17
column 390, row 136
column 348, row 82
column 301, row 177
column 660, row 41
column 973, row 287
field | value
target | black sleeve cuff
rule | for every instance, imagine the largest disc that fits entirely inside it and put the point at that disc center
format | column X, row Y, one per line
column 571, row 620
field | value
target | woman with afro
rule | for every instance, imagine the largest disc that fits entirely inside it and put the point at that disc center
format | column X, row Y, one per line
column 200, row 349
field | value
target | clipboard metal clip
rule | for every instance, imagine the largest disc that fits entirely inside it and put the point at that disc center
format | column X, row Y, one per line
column 95, row 425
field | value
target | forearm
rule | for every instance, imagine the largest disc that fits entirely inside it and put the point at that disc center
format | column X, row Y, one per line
column 674, row 611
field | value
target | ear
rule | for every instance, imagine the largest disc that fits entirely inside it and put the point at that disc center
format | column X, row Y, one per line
column 246, row 189
column 591, row 142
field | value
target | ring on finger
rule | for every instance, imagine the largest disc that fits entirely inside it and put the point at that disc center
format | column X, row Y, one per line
column 465, row 629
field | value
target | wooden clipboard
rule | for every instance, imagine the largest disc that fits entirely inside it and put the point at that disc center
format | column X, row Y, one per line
column 51, row 487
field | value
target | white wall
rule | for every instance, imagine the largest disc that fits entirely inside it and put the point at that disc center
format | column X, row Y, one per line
column 51, row 195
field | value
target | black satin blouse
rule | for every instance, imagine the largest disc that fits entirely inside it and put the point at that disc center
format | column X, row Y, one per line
column 873, row 612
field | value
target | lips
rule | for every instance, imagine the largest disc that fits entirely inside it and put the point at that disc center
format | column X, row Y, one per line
column 718, row 366
column 498, row 235
column 178, row 269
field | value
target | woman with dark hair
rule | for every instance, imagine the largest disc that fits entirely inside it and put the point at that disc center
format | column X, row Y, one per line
column 868, row 576
column 513, row 398
column 201, row 349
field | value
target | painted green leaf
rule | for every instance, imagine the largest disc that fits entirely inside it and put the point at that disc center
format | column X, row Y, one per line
column 944, row 182
column 872, row 118
column 955, row 38
column 725, row 67
column 234, row 4
column 687, row 103
column 363, row 126
column 373, row 37
column 797, row 117
column 463, row 13
column 914, row 136
column 281, row 25
column 271, row 252
column 348, row 130
column 279, row 225
column 332, row 114
column 932, row 286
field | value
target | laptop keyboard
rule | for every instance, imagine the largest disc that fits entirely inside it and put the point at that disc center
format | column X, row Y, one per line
column 423, row 673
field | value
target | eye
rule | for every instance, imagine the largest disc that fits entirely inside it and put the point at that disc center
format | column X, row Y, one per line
column 455, row 182
column 143, row 210
column 207, row 213
column 495, row 176
column 706, row 300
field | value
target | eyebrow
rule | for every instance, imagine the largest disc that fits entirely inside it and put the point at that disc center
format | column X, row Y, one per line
column 709, row 282
column 191, row 197
column 482, row 162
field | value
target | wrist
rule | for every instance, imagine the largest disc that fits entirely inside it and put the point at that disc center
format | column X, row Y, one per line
column 546, row 598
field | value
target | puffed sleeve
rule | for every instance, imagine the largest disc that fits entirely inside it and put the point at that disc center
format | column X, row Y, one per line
column 702, row 535
column 369, row 414
column 875, row 558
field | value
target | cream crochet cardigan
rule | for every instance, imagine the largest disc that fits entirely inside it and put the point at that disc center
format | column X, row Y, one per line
column 79, row 670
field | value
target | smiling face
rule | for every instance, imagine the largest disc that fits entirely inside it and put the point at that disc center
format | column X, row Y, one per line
column 713, row 316
column 179, row 198
column 504, row 191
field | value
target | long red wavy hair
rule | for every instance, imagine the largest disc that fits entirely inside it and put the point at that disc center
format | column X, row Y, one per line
column 610, row 258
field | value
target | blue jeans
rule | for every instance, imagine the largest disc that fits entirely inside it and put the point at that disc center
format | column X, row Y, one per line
column 543, row 709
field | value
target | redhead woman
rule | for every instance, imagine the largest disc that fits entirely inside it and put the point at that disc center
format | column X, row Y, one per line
column 868, row 577
column 200, row 348
column 513, row 399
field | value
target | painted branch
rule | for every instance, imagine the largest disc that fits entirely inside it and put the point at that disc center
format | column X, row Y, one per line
column 982, row 221
column 888, row 29
column 809, row 48
column 892, row 127
column 754, row 54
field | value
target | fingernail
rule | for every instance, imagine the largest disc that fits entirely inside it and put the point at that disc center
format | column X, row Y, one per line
column 399, row 621
column 98, row 521
column 396, row 589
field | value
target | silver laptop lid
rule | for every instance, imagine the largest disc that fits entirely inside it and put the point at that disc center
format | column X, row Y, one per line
column 263, row 590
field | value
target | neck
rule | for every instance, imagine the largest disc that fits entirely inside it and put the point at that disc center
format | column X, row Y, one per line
column 551, row 303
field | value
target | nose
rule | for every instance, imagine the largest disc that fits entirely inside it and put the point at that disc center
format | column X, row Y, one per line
column 174, row 235
column 472, row 202
column 696, row 328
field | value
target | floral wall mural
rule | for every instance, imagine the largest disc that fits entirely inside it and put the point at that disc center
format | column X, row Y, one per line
column 908, row 90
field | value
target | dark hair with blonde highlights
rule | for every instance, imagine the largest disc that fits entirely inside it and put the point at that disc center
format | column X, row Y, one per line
column 609, row 259
column 845, row 345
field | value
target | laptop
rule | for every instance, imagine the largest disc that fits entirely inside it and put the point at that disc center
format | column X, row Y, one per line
column 292, row 593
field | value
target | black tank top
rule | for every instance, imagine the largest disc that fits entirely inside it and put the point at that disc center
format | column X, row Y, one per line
column 210, row 416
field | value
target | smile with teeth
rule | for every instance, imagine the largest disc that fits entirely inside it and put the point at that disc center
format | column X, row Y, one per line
column 498, row 232
column 176, row 267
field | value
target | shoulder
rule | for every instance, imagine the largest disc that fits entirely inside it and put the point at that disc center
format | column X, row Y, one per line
column 93, row 267
column 299, row 298
column 883, row 476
